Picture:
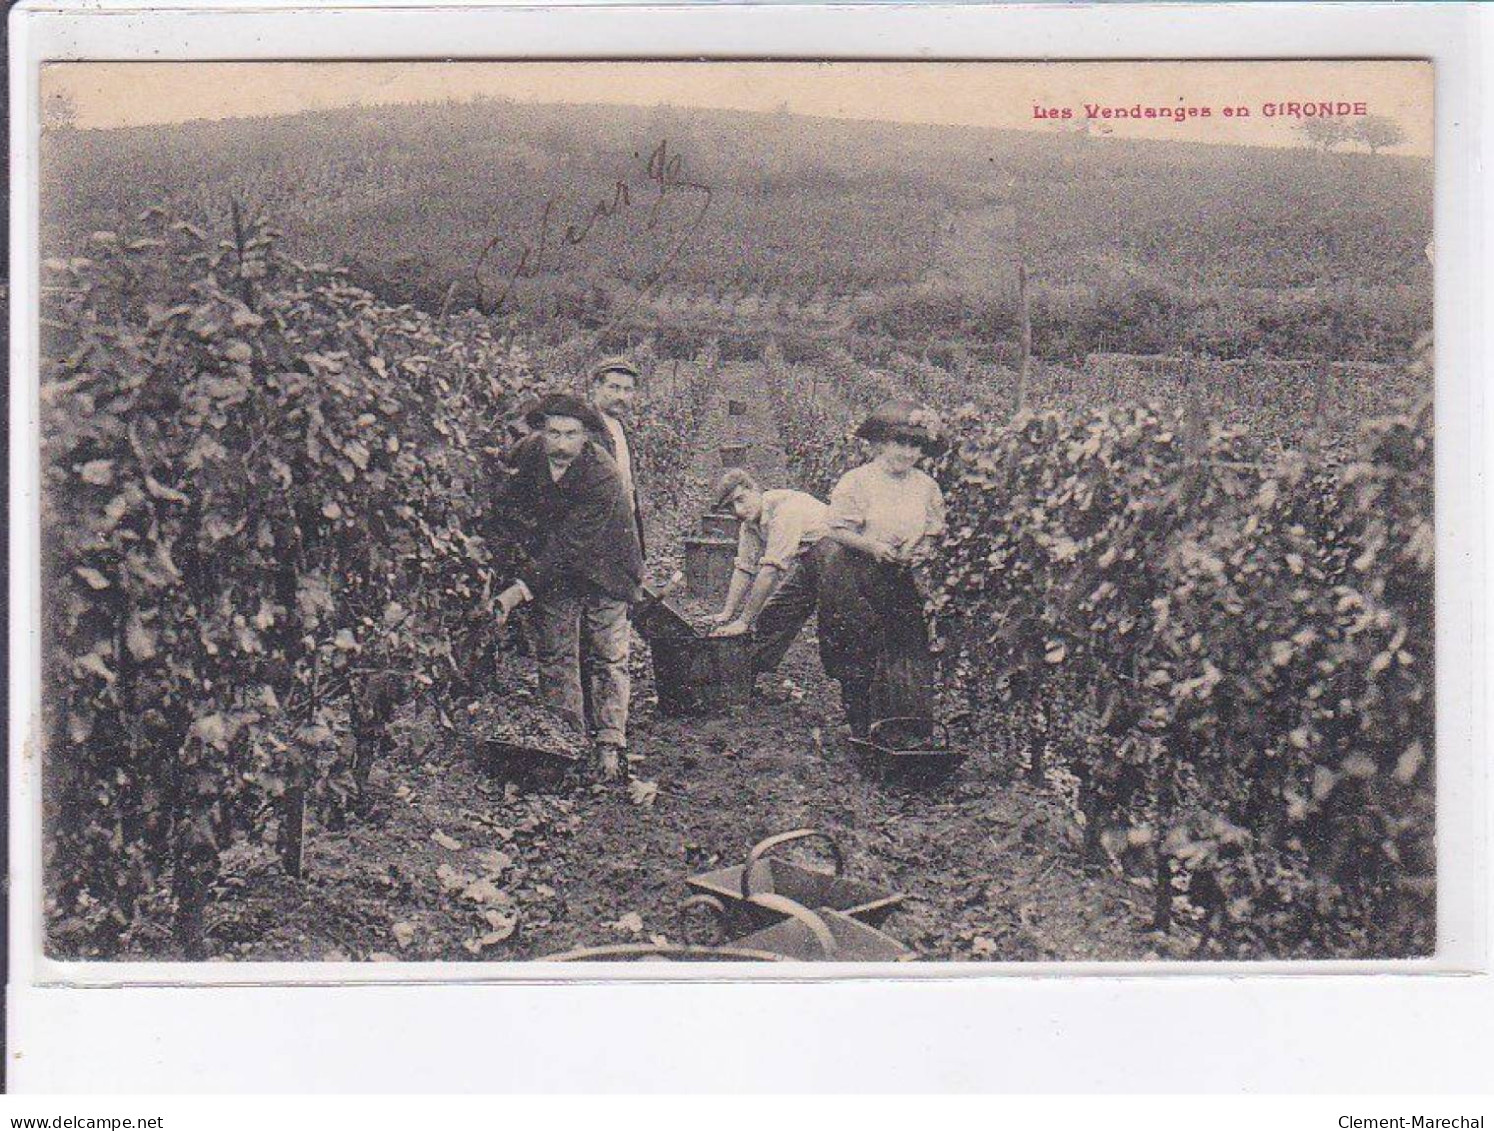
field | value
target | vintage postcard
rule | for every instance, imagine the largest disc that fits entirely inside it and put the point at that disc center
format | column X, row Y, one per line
column 752, row 512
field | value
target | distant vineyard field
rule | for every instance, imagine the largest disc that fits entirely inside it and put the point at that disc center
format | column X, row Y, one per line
column 1134, row 246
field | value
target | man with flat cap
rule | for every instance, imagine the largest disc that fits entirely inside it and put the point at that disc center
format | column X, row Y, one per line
column 613, row 390
column 585, row 567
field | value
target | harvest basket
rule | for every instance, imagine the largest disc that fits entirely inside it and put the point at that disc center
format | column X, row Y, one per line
column 908, row 749
column 517, row 740
column 718, row 525
column 708, row 567
column 694, row 674
column 734, row 455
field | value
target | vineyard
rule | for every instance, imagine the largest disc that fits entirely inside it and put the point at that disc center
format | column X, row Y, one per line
column 1195, row 667
column 1230, row 665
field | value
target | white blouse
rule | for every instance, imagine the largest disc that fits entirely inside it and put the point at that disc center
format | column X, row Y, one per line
column 883, row 507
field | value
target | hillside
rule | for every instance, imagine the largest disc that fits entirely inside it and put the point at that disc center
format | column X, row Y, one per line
column 552, row 210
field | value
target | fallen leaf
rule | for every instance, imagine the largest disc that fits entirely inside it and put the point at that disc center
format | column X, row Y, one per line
column 382, row 956
column 451, row 844
column 404, row 934
column 484, row 891
column 493, row 937
column 404, row 793
column 643, row 793
column 95, row 579
column 982, row 947
column 451, row 879
column 499, row 921
column 629, row 924
column 493, row 862
column 99, row 472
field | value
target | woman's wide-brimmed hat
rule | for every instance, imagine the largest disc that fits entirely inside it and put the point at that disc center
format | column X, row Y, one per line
column 907, row 421
column 563, row 404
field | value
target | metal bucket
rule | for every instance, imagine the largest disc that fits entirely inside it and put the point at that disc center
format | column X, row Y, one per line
column 716, row 525
column 708, row 567
column 702, row 675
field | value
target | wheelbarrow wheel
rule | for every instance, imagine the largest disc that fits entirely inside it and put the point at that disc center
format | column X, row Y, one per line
column 702, row 920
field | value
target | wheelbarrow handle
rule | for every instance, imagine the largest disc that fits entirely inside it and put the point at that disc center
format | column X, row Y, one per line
column 763, row 847
column 817, row 925
column 689, row 951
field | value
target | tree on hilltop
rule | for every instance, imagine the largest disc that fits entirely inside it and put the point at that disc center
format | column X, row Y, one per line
column 1376, row 132
column 1324, row 133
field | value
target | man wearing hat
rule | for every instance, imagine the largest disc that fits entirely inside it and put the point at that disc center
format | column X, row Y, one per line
column 585, row 567
column 614, row 387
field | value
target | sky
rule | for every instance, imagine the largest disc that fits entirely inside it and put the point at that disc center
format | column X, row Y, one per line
column 999, row 95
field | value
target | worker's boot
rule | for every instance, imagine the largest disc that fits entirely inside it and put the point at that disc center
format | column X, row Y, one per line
column 612, row 762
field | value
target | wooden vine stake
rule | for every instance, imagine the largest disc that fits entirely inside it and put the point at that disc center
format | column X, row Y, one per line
column 1025, row 370
column 447, row 301
column 293, row 835
column 246, row 285
column 1195, row 449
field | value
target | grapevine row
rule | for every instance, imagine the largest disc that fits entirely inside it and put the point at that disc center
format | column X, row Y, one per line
column 1230, row 649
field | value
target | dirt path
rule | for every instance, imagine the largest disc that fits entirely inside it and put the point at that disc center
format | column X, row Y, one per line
column 455, row 866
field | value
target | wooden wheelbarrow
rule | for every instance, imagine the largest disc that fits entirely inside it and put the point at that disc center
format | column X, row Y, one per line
column 908, row 749
column 664, row 952
column 733, row 895
column 822, row 935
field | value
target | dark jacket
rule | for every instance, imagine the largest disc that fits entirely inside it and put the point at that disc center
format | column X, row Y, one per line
column 604, row 437
column 580, row 534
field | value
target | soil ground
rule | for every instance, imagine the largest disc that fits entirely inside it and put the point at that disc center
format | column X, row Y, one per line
column 453, row 864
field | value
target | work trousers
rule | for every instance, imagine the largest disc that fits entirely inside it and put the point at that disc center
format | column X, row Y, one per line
column 787, row 610
column 566, row 624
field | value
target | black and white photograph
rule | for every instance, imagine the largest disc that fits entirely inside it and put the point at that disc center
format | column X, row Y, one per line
column 737, row 512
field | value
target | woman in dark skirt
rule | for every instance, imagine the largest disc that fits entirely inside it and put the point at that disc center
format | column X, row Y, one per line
column 885, row 516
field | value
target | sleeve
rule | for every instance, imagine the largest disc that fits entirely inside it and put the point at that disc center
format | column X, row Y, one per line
column 934, row 522
column 847, row 504
column 569, row 545
column 784, row 534
column 749, row 549
column 503, row 509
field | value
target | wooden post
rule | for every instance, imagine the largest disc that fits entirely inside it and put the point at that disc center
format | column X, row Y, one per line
column 1023, row 373
column 293, row 831
column 246, row 287
column 446, row 302
column 1162, row 873
column 1037, row 769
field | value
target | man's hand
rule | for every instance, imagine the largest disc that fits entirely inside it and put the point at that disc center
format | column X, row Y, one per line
column 509, row 600
column 733, row 628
